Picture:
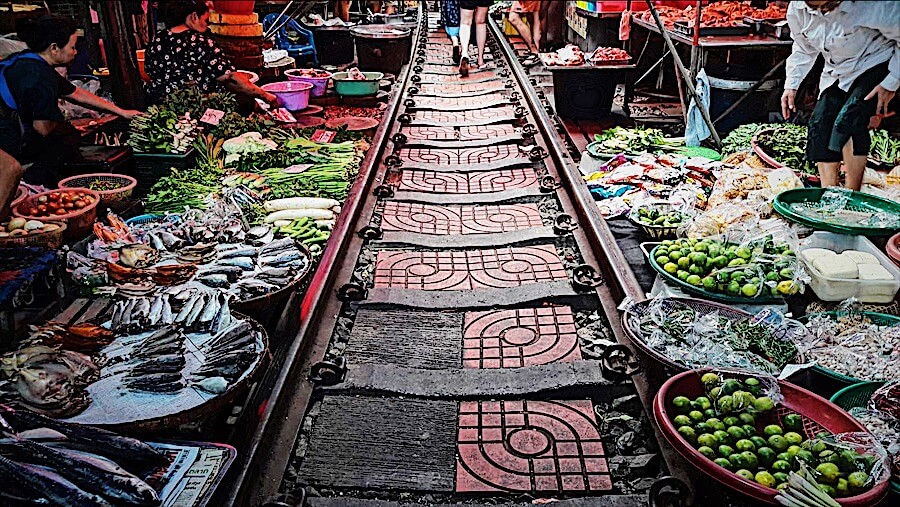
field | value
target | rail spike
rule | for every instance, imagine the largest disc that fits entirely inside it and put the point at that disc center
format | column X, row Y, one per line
column 328, row 373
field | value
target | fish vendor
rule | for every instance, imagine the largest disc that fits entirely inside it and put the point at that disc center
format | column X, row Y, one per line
column 860, row 42
column 32, row 127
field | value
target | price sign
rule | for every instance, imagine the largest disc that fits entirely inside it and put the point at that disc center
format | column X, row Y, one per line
column 212, row 116
column 323, row 136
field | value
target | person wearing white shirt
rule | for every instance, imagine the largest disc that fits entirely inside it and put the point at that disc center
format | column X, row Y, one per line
column 860, row 42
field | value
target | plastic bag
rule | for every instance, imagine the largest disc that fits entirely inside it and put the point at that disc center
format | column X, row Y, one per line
column 853, row 454
column 9, row 45
column 73, row 111
column 887, row 399
column 736, row 390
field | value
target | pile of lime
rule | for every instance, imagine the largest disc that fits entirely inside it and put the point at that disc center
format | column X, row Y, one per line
column 727, row 427
column 655, row 217
column 756, row 269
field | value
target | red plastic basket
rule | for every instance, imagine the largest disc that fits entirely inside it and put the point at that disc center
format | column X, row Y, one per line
column 116, row 199
column 79, row 222
column 818, row 413
column 893, row 248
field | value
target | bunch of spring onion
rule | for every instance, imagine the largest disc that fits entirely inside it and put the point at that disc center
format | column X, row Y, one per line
column 182, row 189
column 159, row 130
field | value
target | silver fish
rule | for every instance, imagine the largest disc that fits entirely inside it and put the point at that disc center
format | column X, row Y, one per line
column 49, row 485
column 214, row 280
column 240, row 252
column 153, row 317
column 245, row 263
column 222, row 318
column 166, row 316
column 170, row 241
column 195, row 312
column 229, row 335
column 276, row 246
column 156, row 242
column 186, row 309
column 283, row 258
column 210, row 310
column 259, row 231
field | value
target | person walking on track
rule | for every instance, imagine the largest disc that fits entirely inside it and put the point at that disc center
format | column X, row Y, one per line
column 450, row 20
column 532, row 37
column 477, row 11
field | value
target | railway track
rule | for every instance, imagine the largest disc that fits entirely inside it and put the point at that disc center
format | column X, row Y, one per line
column 461, row 340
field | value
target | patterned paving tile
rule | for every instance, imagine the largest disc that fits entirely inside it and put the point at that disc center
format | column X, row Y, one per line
column 492, row 113
column 518, row 338
column 530, row 446
column 476, row 101
column 446, row 220
column 474, row 133
column 427, row 88
column 468, row 270
column 457, row 79
column 465, row 156
column 467, row 183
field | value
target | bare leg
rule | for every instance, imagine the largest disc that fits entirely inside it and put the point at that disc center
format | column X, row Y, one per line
column 465, row 33
column 536, row 32
column 828, row 173
column 10, row 176
column 481, row 32
column 854, row 166
column 516, row 21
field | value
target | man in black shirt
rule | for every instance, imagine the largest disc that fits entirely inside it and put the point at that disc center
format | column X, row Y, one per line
column 32, row 127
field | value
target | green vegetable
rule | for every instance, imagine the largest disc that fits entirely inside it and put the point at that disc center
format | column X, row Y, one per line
column 787, row 145
column 636, row 141
column 884, row 148
column 739, row 138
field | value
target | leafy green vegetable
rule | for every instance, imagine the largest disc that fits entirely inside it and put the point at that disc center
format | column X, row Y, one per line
column 884, row 147
column 190, row 100
column 636, row 141
column 787, row 145
column 739, row 138
column 160, row 130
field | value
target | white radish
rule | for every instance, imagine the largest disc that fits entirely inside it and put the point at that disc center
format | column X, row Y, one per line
column 282, row 223
column 300, row 203
column 296, row 214
column 337, row 210
column 325, row 224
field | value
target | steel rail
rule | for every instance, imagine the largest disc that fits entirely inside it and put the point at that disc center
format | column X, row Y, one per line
column 274, row 421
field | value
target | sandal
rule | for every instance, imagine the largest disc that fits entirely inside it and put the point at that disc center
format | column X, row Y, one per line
column 464, row 66
column 456, row 55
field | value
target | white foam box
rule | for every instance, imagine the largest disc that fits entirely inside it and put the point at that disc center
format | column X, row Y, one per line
column 836, row 289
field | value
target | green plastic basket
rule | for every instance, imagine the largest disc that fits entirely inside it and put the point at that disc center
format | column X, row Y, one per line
column 858, row 395
column 879, row 319
column 700, row 151
column 858, row 201
column 703, row 293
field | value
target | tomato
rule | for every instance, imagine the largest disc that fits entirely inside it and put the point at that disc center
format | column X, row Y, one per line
column 52, row 206
column 80, row 204
column 88, row 200
column 55, row 196
column 61, row 211
column 69, row 205
column 65, row 198
column 42, row 199
column 42, row 208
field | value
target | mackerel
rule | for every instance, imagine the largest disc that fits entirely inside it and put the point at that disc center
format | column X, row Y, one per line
column 47, row 485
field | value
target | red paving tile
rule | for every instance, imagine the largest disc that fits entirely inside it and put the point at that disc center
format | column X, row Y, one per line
column 530, row 446
column 468, row 270
column 467, row 183
column 457, row 79
column 518, row 338
column 465, row 156
column 438, row 89
column 458, row 133
column 446, row 220
column 493, row 113
column 473, row 102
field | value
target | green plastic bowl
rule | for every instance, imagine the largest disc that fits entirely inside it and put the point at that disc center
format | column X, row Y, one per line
column 356, row 88
column 858, row 201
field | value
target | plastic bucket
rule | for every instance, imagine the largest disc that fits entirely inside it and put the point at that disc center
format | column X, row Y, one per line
column 382, row 48
column 334, row 45
column 140, row 61
column 726, row 85
column 319, row 84
column 293, row 95
column 356, row 88
column 234, row 6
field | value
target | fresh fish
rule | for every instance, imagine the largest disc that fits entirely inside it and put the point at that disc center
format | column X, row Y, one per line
column 153, row 317
column 121, row 449
column 259, row 231
column 182, row 293
column 214, row 385
column 186, row 309
column 196, row 311
column 210, row 310
column 169, row 240
column 116, row 320
column 93, row 475
column 166, row 316
column 48, row 485
column 165, row 341
column 232, row 272
column 230, row 371
column 222, row 318
column 156, row 382
column 214, row 281
column 156, row 242
column 253, row 283
column 245, row 263
column 283, row 258
column 240, row 252
column 275, row 273
column 169, row 363
column 277, row 246
column 229, row 335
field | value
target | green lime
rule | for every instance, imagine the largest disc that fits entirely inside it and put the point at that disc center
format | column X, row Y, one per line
column 733, row 263
column 749, row 430
column 793, row 449
column 765, row 479
column 707, row 451
column 780, row 477
column 816, row 447
column 828, row 490
column 733, row 289
column 698, row 258
column 744, row 473
column 682, row 404
column 736, row 433
column 702, row 428
column 781, row 466
column 752, row 385
column 714, row 393
column 715, row 424
column 778, row 443
column 674, row 255
column 707, row 440
column 743, row 252
column 696, row 415
column 793, row 422
column 725, row 450
column 702, row 403
column 738, row 460
column 682, row 275
column 720, row 261
column 684, row 262
column 742, row 400
column 698, row 270
column 724, row 463
column 793, row 438
column 759, row 441
column 829, row 472
column 667, row 243
column 723, row 436
column 766, row 456
column 842, row 488
column 771, row 276
column 783, row 456
column 694, row 280
column 752, row 460
column 682, row 420
column 747, row 418
column 857, row 480
column 688, row 433
column 710, row 413
column 744, row 445
column 763, row 404
column 804, row 456
column 710, row 379
column 750, row 290
column 784, row 485
column 662, row 260
column 709, row 283
column 670, row 267
column 828, row 456
column 725, row 404
column 772, row 429
column 731, row 421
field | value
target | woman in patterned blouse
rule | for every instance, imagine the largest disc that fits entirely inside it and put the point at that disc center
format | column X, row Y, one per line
column 185, row 55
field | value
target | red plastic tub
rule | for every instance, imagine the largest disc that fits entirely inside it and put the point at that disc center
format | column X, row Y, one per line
column 79, row 222
column 818, row 413
column 320, row 84
column 893, row 248
column 234, row 6
column 293, row 95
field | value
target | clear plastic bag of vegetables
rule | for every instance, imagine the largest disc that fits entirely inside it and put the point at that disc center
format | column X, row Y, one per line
column 848, row 463
column 734, row 391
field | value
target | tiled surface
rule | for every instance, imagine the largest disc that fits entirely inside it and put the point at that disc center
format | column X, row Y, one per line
column 459, row 133
column 464, row 116
column 467, row 183
column 446, row 220
column 530, row 446
column 468, row 270
column 426, row 88
column 457, row 79
column 464, row 156
column 518, row 338
column 475, row 101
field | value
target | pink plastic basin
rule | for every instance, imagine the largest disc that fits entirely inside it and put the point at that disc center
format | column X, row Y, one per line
column 253, row 77
column 293, row 95
column 320, row 84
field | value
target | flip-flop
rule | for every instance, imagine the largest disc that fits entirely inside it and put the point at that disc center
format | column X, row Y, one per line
column 464, row 66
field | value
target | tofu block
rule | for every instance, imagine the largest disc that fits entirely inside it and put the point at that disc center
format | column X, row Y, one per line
column 874, row 272
column 836, row 266
column 861, row 257
column 811, row 254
